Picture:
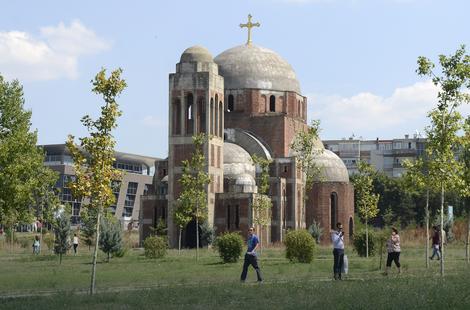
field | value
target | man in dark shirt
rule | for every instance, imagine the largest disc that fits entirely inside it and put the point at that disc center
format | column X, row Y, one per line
column 250, row 255
column 436, row 243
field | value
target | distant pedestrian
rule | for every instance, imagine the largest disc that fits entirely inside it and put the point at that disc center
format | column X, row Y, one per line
column 393, row 249
column 436, row 243
column 250, row 256
column 337, row 238
column 75, row 244
column 36, row 245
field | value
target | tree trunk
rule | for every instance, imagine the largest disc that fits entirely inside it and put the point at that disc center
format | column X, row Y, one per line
column 197, row 238
column 40, row 239
column 179, row 241
column 95, row 253
column 11, row 239
column 467, row 256
column 427, row 228
column 442, row 230
column 60, row 258
column 261, row 239
column 367, row 240
column 108, row 257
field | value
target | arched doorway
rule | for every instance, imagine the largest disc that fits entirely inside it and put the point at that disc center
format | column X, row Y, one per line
column 333, row 210
column 351, row 228
column 190, row 235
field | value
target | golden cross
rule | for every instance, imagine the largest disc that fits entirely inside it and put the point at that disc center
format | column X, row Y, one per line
column 249, row 25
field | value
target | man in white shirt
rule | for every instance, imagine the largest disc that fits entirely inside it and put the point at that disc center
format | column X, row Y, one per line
column 337, row 238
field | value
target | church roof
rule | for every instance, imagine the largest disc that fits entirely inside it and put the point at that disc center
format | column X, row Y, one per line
column 251, row 66
column 332, row 167
column 196, row 53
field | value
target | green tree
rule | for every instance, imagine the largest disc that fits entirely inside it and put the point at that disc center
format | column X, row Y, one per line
column 453, row 83
column 307, row 146
column 262, row 203
column 21, row 161
column 46, row 200
column 366, row 200
column 62, row 233
column 88, row 228
column 110, row 236
column 465, row 190
column 194, row 181
column 94, row 156
column 182, row 215
column 416, row 178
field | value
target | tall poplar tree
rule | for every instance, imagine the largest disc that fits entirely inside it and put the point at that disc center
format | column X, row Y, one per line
column 262, row 203
column 194, row 181
column 21, row 161
column 453, row 83
column 366, row 199
column 305, row 147
column 94, row 156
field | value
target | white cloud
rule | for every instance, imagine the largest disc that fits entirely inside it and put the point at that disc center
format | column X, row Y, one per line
column 373, row 116
column 53, row 54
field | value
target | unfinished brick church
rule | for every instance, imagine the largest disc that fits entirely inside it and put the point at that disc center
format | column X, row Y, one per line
column 249, row 100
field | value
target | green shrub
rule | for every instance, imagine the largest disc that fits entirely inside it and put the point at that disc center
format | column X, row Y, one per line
column 300, row 246
column 155, row 247
column 229, row 246
column 121, row 252
column 316, row 231
column 360, row 242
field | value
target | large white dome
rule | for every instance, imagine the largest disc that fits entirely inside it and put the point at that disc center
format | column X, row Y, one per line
column 251, row 66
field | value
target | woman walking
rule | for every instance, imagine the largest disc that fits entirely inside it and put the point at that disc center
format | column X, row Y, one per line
column 393, row 249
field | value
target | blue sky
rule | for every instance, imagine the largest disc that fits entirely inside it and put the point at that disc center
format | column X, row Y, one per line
column 355, row 59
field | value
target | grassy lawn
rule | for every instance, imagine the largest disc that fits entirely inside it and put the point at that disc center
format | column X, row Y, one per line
column 178, row 281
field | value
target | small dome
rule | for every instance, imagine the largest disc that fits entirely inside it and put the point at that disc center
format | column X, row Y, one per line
column 332, row 167
column 245, row 180
column 239, row 170
column 251, row 66
column 196, row 54
column 237, row 161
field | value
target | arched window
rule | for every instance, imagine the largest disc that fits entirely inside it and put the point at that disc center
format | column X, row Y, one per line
column 201, row 111
column 237, row 216
column 272, row 104
column 176, row 117
column 334, row 209
column 228, row 217
column 189, row 113
column 351, row 228
column 299, row 109
column 211, row 109
column 215, row 132
column 221, row 111
column 231, row 105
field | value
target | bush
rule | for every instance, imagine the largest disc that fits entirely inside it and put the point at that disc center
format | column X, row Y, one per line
column 360, row 243
column 316, row 231
column 111, row 237
column 207, row 234
column 229, row 246
column 155, row 247
column 121, row 252
column 299, row 246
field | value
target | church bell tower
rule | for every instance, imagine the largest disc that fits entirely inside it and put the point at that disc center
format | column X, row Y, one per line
column 196, row 105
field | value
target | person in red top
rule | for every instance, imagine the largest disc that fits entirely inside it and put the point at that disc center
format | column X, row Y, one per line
column 436, row 243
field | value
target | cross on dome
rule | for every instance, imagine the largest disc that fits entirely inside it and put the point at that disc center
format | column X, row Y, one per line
column 249, row 25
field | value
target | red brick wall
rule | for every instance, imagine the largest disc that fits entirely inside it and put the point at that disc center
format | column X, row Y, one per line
column 319, row 208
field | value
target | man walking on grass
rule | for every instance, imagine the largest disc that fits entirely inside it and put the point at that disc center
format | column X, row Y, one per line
column 337, row 237
column 250, row 255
